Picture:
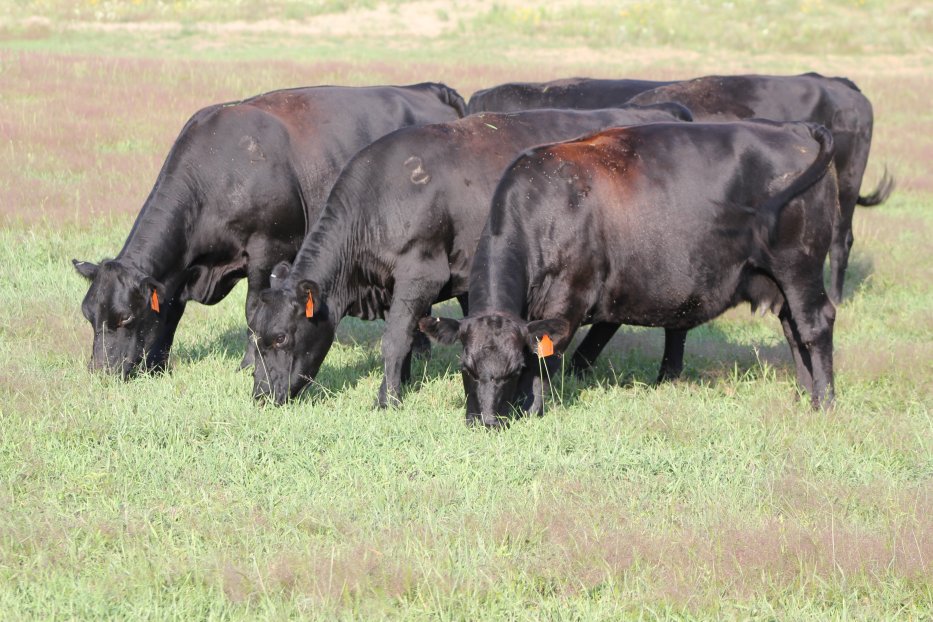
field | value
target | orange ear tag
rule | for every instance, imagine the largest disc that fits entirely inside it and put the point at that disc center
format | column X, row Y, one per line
column 155, row 301
column 309, row 306
column 545, row 347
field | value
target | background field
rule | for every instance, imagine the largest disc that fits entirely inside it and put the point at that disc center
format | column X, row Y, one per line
column 721, row 496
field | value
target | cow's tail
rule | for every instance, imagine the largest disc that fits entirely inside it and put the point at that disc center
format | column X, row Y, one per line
column 807, row 178
column 881, row 193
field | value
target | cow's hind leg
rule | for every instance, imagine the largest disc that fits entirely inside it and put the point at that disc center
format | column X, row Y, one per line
column 797, row 350
column 843, row 238
column 839, row 259
column 813, row 314
column 592, row 345
column 411, row 300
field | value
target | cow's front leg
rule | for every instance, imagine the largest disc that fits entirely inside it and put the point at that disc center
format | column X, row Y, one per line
column 535, row 384
column 672, row 363
column 811, row 316
column 256, row 279
column 411, row 300
column 593, row 343
column 401, row 325
column 798, row 350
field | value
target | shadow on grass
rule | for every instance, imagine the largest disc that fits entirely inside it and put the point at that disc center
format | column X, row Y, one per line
column 230, row 344
column 860, row 268
column 631, row 358
column 711, row 353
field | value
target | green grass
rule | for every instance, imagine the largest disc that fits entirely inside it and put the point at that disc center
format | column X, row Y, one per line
column 116, row 11
column 808, row 26
column 722, row 496
column 481, row 32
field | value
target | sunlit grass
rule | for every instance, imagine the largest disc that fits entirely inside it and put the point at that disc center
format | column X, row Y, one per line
column 718, row 495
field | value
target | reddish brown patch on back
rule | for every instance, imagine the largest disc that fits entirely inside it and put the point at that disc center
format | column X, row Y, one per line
column 611, row 149
column 607, row 161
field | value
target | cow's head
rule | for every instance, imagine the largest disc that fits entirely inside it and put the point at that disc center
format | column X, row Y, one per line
column 131, row 316
column 293, row 329
column 499, row 359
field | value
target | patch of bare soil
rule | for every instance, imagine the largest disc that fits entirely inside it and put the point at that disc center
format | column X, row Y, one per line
column 422, row 19
column 82, row 137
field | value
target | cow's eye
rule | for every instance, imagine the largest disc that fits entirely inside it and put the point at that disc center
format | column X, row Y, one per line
column 125, row 321
column 280, row 340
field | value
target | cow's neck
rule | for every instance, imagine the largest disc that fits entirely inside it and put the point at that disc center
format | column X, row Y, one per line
column 499, row 279
column 326, row 257
column 158, row 243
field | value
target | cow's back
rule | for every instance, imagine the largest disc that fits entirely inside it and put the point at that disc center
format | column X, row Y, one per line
column 435, row 182
column 573, row 93
column 833, row 102
column 454, row 167
column 328, row 125
column 620, row 173
column 640, row 218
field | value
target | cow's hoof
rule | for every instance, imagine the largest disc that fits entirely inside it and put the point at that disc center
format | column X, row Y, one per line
column 385, row 402
column 668, row 376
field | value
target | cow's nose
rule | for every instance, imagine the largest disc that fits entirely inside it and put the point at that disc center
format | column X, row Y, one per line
column 260, row 391
column 263, row 392
column 117, row 369
column 493, row 421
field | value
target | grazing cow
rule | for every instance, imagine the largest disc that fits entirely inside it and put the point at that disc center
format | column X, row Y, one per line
column 235, row 196
column 578, row 93
column 398, row 234
column 835, row 103
column 654, row 225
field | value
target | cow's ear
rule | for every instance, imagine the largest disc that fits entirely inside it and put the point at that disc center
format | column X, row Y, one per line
column 86, row 269
column 310, row 297
column 267, row 296
column 279, row 274
column 555, row 331
column 441, row 329
column 153, row 292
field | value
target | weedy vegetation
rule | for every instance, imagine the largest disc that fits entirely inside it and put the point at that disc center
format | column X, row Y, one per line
column 721, row 496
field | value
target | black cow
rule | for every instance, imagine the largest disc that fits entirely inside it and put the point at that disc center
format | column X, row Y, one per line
column 398, row 234
column 578, row 93
column 835, row 103
column 235, row 196
column 655, row 225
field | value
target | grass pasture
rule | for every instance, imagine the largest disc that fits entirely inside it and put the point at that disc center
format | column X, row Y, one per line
column 719, row 497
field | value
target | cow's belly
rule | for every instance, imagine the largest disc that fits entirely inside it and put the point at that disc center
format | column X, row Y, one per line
column 678, row 300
